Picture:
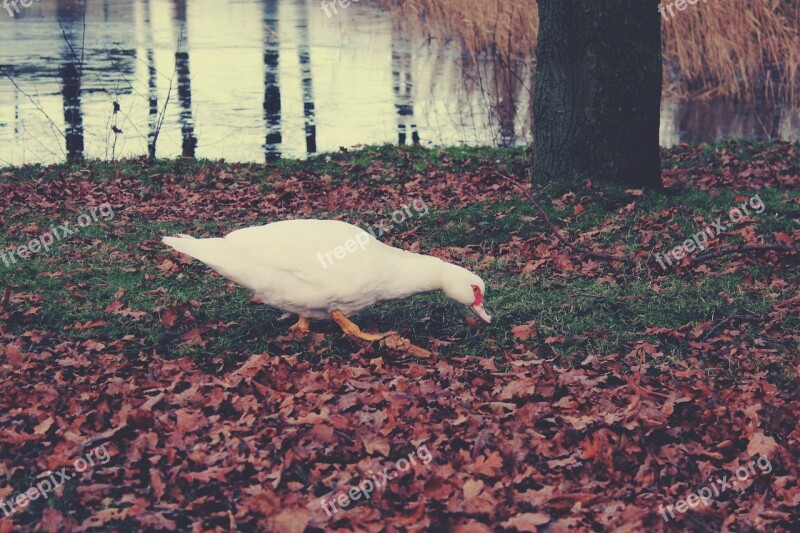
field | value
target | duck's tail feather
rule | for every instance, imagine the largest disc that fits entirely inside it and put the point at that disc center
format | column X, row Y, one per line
column 210, row 251
column 221, row 256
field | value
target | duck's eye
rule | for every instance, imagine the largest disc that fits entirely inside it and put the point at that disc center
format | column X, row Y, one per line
column 475, row 290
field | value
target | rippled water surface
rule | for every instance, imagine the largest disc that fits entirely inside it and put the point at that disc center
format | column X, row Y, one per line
column 251, row 80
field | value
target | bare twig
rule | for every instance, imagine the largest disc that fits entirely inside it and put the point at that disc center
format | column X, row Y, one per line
column 744, row 249
column 628, row 259
column 69, row 45
column 557, row 232
column 36, row 105
column 6, row 298
column 83, row 37
column 713, row 329
column 160, row 120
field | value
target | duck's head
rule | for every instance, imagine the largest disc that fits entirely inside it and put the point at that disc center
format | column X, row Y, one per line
column 466, row 288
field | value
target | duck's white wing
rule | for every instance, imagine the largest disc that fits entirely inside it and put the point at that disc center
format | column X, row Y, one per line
column 297, row 246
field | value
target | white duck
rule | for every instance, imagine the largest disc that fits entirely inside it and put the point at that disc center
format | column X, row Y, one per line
column 328, row 269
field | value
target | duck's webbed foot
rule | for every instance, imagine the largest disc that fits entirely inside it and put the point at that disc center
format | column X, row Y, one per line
column 353, row 331
column 303, row 326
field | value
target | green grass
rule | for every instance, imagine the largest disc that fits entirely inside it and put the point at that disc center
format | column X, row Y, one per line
column 603, row 313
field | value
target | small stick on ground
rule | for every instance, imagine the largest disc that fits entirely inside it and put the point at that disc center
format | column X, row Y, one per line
column 630, row 260
column 557, row 232
column 713, row 329
column 744, row 249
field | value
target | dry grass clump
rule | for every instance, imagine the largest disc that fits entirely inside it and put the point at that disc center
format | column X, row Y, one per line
column 505, row 28
column 739, row 49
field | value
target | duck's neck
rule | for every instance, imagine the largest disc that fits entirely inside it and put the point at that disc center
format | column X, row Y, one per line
column 416, row 274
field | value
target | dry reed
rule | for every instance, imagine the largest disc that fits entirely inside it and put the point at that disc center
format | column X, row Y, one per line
column 737, row 49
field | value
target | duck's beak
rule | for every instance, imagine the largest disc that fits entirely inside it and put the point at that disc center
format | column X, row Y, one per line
column 481, row 312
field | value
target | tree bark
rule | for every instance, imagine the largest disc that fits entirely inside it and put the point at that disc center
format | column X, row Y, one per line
column 598, row 91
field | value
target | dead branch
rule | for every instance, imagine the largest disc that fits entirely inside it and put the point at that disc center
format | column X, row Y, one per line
column 630, row 260
column 744, row 249
column 6, row 298
column 557, row 232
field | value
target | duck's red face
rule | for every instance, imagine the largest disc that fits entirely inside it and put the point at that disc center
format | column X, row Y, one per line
column 477, row 305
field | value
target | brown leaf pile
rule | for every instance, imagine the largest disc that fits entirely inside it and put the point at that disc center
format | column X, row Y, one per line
column 531, row 445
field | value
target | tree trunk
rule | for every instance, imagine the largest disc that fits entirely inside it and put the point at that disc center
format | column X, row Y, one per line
column 598, row 91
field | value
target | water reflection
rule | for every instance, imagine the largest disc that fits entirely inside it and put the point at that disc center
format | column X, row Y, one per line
column 247, row 80
column 189, row 143
column 506, row 83
column 152, row 84
column 272, row 88
column 403, row 85
column 70, row 17
column 304, row 57
column 697, row 121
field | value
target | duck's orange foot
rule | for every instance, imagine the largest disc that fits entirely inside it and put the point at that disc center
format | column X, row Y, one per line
column 354, row 332
column 302, row 328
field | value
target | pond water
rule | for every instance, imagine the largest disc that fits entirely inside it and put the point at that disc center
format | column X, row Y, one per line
column 249, row 80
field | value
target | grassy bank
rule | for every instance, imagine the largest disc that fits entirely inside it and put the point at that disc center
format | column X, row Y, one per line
column 473, row 220
column 590, row 371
